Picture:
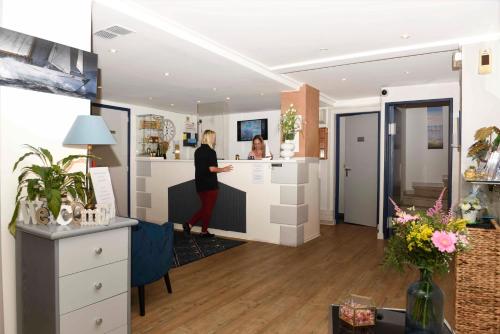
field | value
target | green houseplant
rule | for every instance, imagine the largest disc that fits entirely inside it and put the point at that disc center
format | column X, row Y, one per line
column 50, row 181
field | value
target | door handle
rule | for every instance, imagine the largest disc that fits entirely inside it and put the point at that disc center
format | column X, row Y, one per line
column 347, row 171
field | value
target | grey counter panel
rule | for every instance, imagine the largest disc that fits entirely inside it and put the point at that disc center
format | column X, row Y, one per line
column 229, row 213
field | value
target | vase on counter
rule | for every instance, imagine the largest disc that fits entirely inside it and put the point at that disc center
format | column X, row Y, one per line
column 287, row 149
column 424, row 306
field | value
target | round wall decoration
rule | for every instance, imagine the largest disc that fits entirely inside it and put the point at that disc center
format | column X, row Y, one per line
column 168, row 130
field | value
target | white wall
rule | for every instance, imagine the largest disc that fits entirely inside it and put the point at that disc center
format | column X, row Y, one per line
column 36, row 118
column 480, row 100
column 244, row 147
column 420, row 163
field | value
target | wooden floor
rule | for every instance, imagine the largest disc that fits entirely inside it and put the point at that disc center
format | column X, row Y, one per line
column 264, row 288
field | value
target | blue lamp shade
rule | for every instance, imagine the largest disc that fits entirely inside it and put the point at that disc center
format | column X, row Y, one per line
column 89, row 130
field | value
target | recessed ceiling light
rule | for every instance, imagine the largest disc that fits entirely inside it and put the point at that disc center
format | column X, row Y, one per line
column 323, row 49
column 171, row 104
column 198, row 101
column 261, row 94
column 407, row 72
column 228, row 98
column 214, row 89
column 166, row 74
column 343, row 79
column 150, row 98
column 405, row 36
column 113, row 50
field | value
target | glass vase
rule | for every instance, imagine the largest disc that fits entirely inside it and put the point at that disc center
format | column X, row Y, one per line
column 424, row 306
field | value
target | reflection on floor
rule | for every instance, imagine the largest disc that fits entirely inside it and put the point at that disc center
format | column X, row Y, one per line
column 264, row 288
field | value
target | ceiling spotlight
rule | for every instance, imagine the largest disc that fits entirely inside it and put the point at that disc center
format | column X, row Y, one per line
column 323, row 49
column 198, row 101
column 214, row 89
column 150, row 98
column 407, row 72
column 228, row 98
column 405, row 36
column 166, row 74
column 113, row 50
column 171, row 104
column 261, row 94
column 343, row 79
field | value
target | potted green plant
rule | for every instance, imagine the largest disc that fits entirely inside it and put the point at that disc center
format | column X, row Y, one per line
column 289, row 125
column 50, row 182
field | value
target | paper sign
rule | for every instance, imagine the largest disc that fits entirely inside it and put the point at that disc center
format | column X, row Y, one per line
column 258, row 173
column 103, row 189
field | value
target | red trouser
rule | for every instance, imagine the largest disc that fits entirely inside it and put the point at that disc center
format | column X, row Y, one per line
column 208, row 199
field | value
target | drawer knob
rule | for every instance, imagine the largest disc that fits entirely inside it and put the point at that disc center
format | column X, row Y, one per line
column 98, row 322
column 98, row 286
column 98, row 251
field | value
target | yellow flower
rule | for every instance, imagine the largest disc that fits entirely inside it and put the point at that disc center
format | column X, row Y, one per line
column 418, row 236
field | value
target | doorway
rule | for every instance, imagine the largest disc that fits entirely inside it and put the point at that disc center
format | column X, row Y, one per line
column 116, row 157
column 418, row 155
column 357, row 168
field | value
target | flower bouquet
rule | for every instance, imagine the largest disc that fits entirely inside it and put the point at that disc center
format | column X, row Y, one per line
column 427, row 241
column 470, row 207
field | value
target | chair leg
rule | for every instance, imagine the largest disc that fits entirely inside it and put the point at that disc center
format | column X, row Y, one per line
column 142, row 306
column 167, row 282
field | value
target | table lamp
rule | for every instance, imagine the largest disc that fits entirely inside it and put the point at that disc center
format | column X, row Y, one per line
column 89, row 130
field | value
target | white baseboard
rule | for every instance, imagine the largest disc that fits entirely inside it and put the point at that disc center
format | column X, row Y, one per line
column 326, row 215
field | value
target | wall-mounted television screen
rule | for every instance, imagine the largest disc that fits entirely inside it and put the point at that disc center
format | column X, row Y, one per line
column 248, row 129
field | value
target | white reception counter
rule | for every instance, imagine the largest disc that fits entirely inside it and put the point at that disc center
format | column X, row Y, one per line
column 281, row 197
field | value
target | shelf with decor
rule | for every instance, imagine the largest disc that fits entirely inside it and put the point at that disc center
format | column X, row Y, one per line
column 476, row 286
column 150, row 138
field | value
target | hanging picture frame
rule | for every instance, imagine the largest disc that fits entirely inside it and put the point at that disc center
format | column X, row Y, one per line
column 29, row 62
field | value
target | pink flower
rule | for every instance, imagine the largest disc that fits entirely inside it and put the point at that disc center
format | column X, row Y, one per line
column 405, row 217
column 444, row 241
column 462, row 239
column 438, row 206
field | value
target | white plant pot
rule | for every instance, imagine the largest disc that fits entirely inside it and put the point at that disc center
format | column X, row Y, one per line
column 470, row 216
column 287, row 149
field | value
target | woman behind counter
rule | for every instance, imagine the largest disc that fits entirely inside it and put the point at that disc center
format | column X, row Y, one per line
column 258, row 151
column 206, row 169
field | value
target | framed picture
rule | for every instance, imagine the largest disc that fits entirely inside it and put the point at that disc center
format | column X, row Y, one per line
column 33, row 63
column 435, row 128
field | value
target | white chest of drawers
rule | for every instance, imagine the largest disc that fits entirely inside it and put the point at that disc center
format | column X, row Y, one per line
column 73, row 279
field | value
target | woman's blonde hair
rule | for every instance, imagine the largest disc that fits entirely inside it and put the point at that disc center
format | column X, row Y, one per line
column 208, row 138
column 259, row 138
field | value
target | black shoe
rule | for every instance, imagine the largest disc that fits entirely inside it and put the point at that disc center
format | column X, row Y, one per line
column 187, row 229
column 207, row 235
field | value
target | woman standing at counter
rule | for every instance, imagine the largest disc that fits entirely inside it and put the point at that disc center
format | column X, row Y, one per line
column 206, row 169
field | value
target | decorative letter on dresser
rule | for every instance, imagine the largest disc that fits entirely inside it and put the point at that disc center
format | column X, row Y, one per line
column 73, row 279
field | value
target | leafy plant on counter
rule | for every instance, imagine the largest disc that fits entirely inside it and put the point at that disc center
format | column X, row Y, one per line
column 289, row 123
column 51, row 182
column 487, row 140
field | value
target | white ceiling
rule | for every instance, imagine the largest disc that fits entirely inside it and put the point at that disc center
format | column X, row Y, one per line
column 278, row 32
column 135, row 73
column 366, row 79
column 245, row 48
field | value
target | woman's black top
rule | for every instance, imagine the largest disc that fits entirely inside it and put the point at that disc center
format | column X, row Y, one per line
column 204, row 158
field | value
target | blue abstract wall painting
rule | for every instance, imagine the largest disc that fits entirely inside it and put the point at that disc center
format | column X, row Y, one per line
column 33, row 63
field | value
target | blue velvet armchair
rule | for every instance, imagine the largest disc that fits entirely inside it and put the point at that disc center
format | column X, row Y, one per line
column 152, row 255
